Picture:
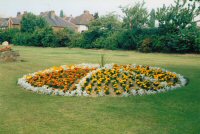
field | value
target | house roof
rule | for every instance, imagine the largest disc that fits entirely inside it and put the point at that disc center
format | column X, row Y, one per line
column 68, row 18
column 16, row 20
column 4, row 22
column 83, row 19
column 57, row 21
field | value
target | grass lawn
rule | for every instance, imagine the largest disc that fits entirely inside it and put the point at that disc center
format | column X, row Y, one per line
column 174, row 112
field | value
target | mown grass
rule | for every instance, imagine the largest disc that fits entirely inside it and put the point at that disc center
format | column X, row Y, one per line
column 174, row 112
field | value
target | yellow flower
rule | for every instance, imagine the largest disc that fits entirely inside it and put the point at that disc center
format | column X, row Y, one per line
column 118, row 91
column 98, row 82
column 88, row 92
column 28, row 77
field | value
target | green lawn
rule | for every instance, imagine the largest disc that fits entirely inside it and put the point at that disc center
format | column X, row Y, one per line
column 174, row 112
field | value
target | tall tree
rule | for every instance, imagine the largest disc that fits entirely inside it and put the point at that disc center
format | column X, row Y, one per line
column 135, row 16
column 176, row 17
column 99, row 30
column 30, row 22
column 152, row 18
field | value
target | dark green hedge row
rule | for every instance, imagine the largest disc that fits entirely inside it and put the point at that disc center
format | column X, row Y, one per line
column 144, row 40
column 41, row 37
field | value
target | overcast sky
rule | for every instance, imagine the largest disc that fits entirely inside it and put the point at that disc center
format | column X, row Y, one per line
column 71, row 7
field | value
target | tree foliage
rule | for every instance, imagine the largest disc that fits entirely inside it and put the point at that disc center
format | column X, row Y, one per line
column 99, row 31
column 64, row 37
column 174, row 18
column 152, row 18
column 135, row 16
column 177, row 24
column 8, row 34
column 30, row 22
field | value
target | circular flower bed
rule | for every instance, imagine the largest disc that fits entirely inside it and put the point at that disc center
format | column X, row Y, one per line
column 93, row 80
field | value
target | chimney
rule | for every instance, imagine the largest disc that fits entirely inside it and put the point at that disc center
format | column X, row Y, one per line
column 18, row 14
column 25, row 12
column 52, row 14
column 86, row 12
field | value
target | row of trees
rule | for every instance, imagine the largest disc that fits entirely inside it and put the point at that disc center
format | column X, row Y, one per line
column 176, row 30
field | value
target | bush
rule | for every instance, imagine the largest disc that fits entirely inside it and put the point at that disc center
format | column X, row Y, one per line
column 8, row 35
column 109, row 42
column 23, row 39
column 186, row 41
column 158, row 44
column 100, row 33
column 146, row 45
column 36, row 32
column 44, row 37
column 41, row 37
column 76, row 41
column 91, row 36
column 63, row 38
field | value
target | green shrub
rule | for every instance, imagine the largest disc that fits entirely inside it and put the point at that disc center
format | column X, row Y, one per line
column 76, row 41
column 44, row 37
column 146, row 45
column 158, row 44
column 100, row 33
column 23, row 39
column 63, row 38
column 186, row 41
column 109, row 42
column 8, row 35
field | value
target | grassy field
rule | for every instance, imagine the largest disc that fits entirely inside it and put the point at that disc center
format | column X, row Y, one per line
column 174, row 112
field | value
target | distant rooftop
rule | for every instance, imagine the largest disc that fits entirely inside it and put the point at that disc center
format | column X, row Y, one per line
column 57, row 21
column 83, row 19
column 4, row 22
column 16, row 20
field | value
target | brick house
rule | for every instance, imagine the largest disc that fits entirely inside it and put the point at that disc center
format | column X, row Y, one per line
column 12, row 22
